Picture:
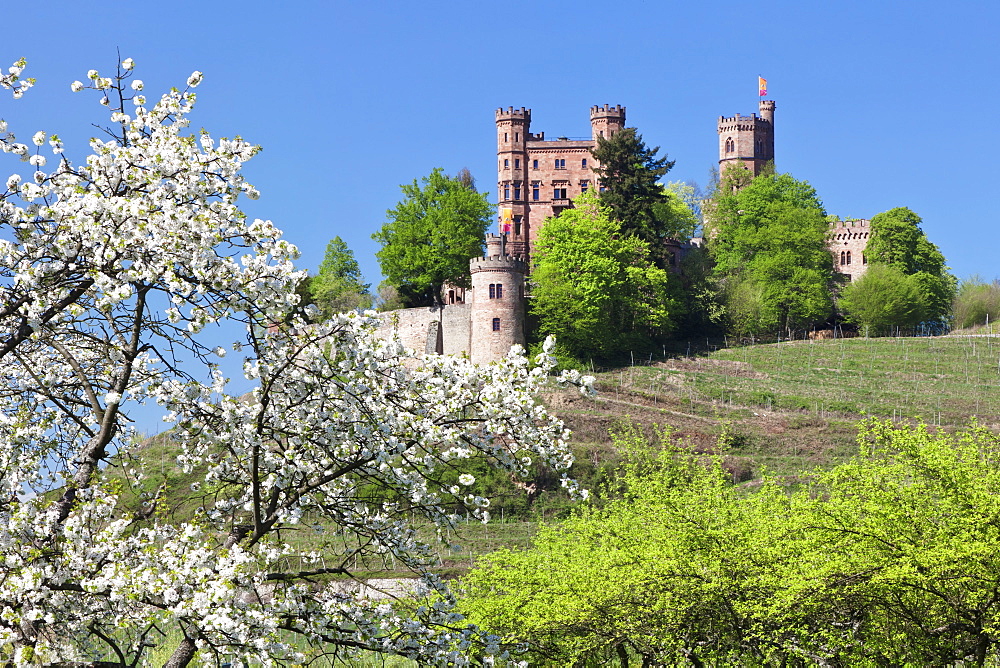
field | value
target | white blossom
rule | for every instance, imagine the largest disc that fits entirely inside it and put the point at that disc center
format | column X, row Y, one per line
column 76, row 86
column 119, row 266
column 128, row 64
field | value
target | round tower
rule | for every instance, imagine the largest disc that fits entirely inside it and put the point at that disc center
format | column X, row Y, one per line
column 606, row 120
column 513, row 133
column 497, row 311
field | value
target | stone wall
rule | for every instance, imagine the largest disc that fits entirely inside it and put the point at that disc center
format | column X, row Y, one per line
column 430, row 329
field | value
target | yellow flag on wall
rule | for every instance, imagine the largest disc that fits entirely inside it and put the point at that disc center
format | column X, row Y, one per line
column 506, row 218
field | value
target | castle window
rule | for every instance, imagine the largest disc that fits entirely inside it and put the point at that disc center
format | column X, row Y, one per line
column 496, row 324
column 517, row 225
column 730, row 145
column 517, row 190
column 451, row 296
column 506, row 163
column 560, row 163
column 517, row 163
column 583, row 163
column 506, row 191
column 496, row 290
column 559, row 193
column 584, row 185
column 848, row 258
column 535, row 191
column 534, row 164
column 517, row 136
column 505, row 136
column 864, row 259
column 843, row 258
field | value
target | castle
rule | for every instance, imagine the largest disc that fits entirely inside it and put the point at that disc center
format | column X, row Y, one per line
column 538, row 178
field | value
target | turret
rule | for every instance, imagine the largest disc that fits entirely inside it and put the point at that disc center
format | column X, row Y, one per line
column 767, row 111
column 513, row 133
column 497, row 302
column 606, row 120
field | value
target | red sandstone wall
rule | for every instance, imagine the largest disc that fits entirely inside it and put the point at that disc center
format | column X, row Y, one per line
column 852, row 236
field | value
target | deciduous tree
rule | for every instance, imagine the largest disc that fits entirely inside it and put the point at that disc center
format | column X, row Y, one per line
column 897, row 241
column 883, row 298
column 116, row 271
column 430, row 236
column 768, row 239
column 889, row 559
column 594, row 287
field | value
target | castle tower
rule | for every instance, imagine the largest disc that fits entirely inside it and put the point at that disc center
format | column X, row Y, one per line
column 747, row 139
column 606, row 120
column 513, row 130
column 497, row 313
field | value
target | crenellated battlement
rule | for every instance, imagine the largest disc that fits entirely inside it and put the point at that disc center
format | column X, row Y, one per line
column 861, row 222
column 740, row 122
column 513, row 114
column 498, row 263
column 607, row 110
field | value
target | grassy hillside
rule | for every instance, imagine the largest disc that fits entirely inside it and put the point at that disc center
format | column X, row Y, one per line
column 787, row 407
column 793, row 405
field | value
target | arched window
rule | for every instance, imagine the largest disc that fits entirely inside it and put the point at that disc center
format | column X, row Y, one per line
column 843, row 258
column 848, row 257
column 451, row 296
column 730, row 145
column 496, row 324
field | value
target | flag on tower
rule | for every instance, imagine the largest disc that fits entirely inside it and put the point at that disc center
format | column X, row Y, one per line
column 762, row 86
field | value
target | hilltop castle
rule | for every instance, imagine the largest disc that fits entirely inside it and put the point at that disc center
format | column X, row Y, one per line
column 537, row 178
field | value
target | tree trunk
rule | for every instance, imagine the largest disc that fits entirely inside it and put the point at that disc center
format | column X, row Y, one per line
column 182, row 655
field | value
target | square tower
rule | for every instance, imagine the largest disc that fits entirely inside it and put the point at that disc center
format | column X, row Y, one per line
column 748, row 140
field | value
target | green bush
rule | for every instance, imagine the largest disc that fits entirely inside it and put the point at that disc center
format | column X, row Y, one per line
column 976, row 303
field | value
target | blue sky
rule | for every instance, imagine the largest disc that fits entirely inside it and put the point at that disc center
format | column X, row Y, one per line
column 879, row 104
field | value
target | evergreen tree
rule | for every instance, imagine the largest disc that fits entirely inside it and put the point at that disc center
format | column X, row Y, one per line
column 629, row 175
column 339, row 286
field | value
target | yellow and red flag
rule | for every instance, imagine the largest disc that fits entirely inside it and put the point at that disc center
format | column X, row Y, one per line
column 506, row 218
column 762, row 86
